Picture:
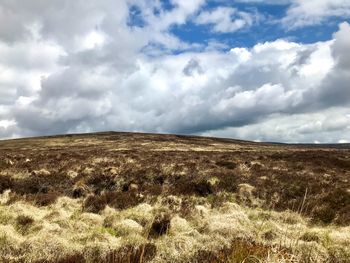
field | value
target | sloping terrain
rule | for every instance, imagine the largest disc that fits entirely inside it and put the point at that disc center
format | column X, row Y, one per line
column 129, row 197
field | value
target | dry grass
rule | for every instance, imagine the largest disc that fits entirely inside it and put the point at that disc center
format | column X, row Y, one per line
column 228, row 233
column 150, row 198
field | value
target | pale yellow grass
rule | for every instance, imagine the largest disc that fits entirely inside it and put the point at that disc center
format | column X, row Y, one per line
column 62, row 229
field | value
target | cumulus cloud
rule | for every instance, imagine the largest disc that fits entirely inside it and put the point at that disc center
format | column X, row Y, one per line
column 226, row 19
column 335, row 88
column 305, row 12
column 326, row 126
column 88, row 66
column 301, row 13
column 265, row 2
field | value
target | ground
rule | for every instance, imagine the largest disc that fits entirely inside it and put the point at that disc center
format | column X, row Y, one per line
column 132, row 197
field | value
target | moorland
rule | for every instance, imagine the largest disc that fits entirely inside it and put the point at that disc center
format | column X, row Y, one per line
column 133, row 197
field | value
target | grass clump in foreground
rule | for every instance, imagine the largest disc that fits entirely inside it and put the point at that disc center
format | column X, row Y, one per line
column 63, row 232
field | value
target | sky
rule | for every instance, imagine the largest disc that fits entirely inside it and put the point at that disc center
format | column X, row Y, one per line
column 247, row 69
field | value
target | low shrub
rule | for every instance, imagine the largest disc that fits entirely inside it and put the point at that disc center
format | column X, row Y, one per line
column 119, row 200
column 324, row 214
column 160, row 225
column 227, row 164
column 44, row 199
column 93, row 204
column 23, row 223
column 6, row 182
column 310, row 237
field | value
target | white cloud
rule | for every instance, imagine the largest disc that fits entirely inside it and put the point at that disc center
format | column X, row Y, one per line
column 306, row 128
column 93, row 39
column 225, row 19
column 162, row 20
column 265, row 2
column 305, row 12
column 189, row 92
column 6, row 123
column 103, row 74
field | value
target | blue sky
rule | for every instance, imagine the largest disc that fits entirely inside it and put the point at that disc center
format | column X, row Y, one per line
column 249, row 69
column 260, row 31
column 266, row 27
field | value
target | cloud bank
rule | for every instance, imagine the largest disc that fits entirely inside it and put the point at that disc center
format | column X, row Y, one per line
column 81, row 66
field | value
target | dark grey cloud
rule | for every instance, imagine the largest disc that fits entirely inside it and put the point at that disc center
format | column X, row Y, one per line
column 193, row 66
column 335, row 89
column 7, row 94
column 302, row 58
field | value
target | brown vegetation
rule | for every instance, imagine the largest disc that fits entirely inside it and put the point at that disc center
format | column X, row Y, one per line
column 178, row 175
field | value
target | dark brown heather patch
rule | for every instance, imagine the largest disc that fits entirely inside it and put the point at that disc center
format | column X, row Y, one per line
column 160, row 225
column 24, row 220
column 6, row 182
column 179, row 165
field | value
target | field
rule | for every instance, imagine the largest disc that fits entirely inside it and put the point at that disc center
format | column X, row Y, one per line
column 129, row 197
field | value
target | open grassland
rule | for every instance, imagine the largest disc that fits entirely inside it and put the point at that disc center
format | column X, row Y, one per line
column 127, row 197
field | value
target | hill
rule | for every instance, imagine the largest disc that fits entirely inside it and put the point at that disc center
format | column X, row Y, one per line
column 132, row 197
